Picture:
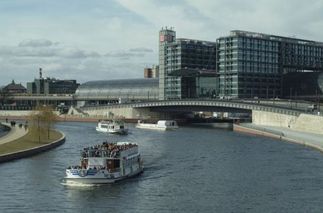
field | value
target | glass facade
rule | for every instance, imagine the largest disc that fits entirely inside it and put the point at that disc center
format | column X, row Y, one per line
column 207, row 87
column 252, row 64
column 248, row 67
column 52, row 86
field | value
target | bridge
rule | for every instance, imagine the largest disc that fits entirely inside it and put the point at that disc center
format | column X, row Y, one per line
column 281, row 106
column 284, row 113
column 289, row 107
column 281, row 113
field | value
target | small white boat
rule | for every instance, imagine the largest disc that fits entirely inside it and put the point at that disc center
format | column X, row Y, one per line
column 106, row 163
column 161, row 125
column 113, row 127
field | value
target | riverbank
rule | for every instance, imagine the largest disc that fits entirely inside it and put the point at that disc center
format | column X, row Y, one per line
column 307, row 139
column 4, row 129
column 29, row 145
column 63, row 118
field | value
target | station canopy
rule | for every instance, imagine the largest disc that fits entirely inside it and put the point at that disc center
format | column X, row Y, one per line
column 145, row 88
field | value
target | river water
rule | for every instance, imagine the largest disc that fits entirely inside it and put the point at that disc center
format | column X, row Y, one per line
column 3, row 131
column 188, row 170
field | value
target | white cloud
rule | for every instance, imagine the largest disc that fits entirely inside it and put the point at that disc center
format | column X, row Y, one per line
column 141, row 49
column 36, row 43
column 209, row 19
column 44, row 49
column 117, row 39
column 66, row 62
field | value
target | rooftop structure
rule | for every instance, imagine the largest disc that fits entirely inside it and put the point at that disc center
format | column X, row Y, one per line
column 14, row 88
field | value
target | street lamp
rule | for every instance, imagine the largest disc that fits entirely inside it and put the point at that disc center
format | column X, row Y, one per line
column 290, row 96
column 318, row 100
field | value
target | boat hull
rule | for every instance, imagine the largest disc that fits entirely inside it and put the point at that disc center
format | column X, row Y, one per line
column 100, row 179
column 155, row 127
column 117, row 132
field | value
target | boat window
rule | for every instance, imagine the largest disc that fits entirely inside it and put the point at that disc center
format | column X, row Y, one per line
column 113, row 164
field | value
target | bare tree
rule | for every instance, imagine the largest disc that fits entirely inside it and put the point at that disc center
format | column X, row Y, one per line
column 41, row 122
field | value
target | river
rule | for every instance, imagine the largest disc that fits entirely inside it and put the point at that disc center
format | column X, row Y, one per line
column 187, row 170
column 3, row 130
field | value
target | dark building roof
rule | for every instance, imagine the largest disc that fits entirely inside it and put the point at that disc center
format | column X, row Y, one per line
column 13, row 87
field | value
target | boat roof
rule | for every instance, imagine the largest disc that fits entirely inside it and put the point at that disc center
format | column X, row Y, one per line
column 111, row 121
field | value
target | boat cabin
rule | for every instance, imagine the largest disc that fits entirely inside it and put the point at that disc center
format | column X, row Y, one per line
column 107, row 156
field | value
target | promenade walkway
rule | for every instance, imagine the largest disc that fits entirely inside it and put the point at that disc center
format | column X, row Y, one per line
column 13, row 134
column 308, row 139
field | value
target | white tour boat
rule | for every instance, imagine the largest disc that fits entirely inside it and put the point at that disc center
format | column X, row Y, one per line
column 161, row 125
column 113, row 127
column 106, row 163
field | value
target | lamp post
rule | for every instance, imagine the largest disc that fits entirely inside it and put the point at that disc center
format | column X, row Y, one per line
column 295, row 98
column 38, row 128
column 290, row 96
column 318, row 100
column 274, row 91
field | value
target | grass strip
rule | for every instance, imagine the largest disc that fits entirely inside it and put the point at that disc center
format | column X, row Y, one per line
column 28, row 141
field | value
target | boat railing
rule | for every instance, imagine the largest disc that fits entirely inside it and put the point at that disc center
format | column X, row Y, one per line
column 106, row 150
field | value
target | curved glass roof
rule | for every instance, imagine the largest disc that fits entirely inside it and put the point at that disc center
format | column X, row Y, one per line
column 122, row 88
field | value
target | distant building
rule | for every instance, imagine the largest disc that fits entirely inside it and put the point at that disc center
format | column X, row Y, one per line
column 185, row 65
column 14, row 88
column 51, row 86
column 122, row 91
column 148, row 72
column 151, row 72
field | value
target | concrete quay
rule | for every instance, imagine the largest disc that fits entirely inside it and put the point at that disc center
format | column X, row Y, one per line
column 282, row 133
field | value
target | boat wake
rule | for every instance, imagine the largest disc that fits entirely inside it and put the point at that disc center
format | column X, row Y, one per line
column 78, row 184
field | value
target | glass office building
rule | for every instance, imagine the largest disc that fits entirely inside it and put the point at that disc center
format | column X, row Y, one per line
column 182, row 65
column 253, row 64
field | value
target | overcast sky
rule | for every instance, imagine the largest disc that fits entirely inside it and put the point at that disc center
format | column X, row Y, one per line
column 112, row 39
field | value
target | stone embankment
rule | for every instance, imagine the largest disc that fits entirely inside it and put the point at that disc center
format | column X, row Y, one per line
column 286, row 134
column 304, row 122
